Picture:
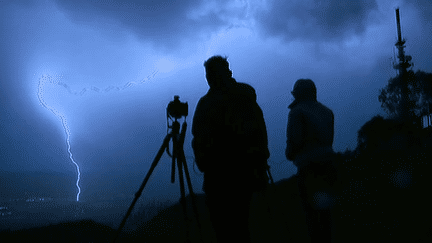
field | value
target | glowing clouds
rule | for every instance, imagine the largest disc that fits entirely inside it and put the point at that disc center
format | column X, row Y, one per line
column 165, row 65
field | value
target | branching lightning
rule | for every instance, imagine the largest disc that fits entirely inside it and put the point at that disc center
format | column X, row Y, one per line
column 105, row 90
column 45, row 79
column 42, row 81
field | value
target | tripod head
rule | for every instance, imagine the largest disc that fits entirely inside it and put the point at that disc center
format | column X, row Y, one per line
column 176, row 108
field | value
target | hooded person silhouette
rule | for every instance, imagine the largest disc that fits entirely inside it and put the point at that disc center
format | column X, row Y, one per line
column 310, row 133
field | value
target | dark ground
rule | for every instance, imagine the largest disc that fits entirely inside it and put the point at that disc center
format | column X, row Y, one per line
column 379, row 198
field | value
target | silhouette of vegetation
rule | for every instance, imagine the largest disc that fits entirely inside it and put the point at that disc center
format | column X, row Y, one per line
column 419, row 94
column 390, row 174
column 379, row 134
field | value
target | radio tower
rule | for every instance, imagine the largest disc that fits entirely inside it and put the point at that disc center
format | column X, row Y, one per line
column 402, row 66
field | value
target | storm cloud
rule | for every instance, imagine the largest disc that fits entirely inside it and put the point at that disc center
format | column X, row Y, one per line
column 164, row 24
column 314, row 20
column 345, row 47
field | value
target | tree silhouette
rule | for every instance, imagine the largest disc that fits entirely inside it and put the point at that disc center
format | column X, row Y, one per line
column 419, row 94
column 379, row 135
column 372, row 134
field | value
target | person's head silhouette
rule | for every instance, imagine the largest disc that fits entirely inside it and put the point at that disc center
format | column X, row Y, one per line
column 304, row 89
column 217, row 70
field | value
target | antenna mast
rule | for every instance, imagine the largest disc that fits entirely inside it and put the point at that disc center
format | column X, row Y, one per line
column 402, row 66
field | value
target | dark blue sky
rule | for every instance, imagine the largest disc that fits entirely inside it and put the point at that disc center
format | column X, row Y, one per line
column 346, row 48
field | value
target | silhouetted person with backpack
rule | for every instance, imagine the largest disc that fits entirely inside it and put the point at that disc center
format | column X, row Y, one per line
column 230, row 147
column 310, row 133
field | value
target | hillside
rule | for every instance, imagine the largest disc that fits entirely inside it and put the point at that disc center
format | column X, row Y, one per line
column 378, row 201
column 380, row 198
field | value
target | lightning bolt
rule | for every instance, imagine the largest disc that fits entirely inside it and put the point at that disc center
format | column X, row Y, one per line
column 105, row 90
column 48, row 79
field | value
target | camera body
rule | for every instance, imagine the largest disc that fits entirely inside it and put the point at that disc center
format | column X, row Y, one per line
column 177, row 109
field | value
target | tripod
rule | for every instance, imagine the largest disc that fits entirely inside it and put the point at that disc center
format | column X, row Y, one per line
column 177, row 156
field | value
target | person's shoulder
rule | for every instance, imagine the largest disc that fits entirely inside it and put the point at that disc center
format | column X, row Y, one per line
column 326, row 110
column 297, row 110
column 306, row 107
column 204, row 100
column 302, row 105
column 210, row 99
column 325, row 107
column 246, row 89
column 245, row 86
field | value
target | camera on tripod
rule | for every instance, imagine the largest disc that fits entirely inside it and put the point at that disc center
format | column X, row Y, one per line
column 177, row 109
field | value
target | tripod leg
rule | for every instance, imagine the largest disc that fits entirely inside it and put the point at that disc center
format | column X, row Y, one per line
column 176, row 151
column 138, row 193
column 193, row 196
column 270, row 176
column 183, row 161
column 182, row 188
column 173, row 169
column 182, row 158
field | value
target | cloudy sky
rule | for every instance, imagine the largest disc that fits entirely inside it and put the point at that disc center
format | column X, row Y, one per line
column 109, row 68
